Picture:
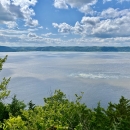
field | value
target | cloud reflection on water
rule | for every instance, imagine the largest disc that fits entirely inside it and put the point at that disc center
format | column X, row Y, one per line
column 101, row 76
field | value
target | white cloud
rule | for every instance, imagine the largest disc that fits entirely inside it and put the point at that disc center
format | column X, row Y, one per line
column 48, row 34
column 5, row 14
column 120, row 1
column 105, row 28
column 109, row 23
column 114, row 24
column 110, row 13
column 67, row 29
column 26, row 38
column 11, row 10
column 104, row 1
column 109, row 27
column 32, row 29
column 83, row 28
column 32, row 35
column 22, row 3
column 114, row 13
column 11, row 24
column 82, row 5
column 13, row 32
column 41, row 27
column 31, row 22
column 90, row 20
column 61, row 4
column 63, row 27
column 78, row 28
column 86, row 9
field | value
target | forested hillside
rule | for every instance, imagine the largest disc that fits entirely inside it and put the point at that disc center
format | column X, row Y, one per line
column 67, row 48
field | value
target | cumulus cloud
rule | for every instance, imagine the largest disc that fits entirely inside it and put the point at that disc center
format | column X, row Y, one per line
column 105, row 28
column 5, row 15
column 111, row 26
column 109, row 23
column 86, row 9
column 114, row 13
column 114, row 24
column 61, row 4
column 32, row 35
column 31, row 22
column 66, row 28
column 63, row 27
column 82, row 28
column 79, row 3
column 90, row 20
column 11, row 10
column 78, row 28
column 82, row 5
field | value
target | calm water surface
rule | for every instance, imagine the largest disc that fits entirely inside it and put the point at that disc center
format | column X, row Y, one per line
column 102, row 77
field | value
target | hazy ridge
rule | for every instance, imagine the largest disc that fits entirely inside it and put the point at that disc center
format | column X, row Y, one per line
column 66, row 48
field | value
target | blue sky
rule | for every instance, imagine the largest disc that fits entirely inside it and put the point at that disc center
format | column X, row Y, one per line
column 65, row 22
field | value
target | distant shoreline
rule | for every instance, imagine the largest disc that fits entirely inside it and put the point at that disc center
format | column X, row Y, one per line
column 66, row 48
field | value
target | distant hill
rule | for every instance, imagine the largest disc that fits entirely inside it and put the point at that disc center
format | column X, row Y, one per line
column 7, row 49
column 68, row 48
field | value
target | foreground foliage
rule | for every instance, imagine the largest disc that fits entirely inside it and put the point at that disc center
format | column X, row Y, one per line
column 58, row 113
column 3, row 85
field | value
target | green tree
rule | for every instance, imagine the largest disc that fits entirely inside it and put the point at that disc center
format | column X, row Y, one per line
column 3, row 85
column 119, row 114
column 58, row 113
column 4, row 114
column 31, row 105
column 15, row 106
